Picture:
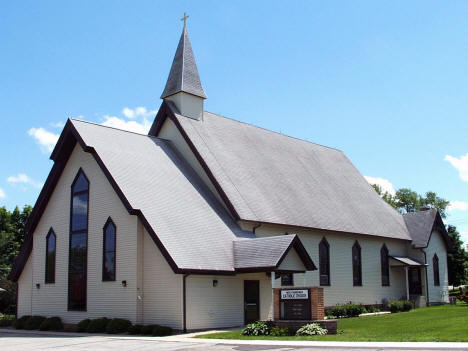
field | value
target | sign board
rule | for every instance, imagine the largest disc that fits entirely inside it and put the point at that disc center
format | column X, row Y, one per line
column 294, row 294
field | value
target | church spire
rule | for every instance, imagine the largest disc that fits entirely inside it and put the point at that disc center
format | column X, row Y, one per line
column 183, row 76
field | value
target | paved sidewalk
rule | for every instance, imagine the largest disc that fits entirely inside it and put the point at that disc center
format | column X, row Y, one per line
column 11, row 339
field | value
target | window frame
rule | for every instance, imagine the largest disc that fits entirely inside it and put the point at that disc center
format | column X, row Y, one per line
column 357, row 265
column 80, row 231
column 48, row 279
column 109, row 222
column 384, row 265
column 435, row 269
column 325, row 243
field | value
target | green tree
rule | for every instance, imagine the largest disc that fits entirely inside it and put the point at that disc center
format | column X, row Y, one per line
column 12, row 232
column 407, row 200
column 457, row 259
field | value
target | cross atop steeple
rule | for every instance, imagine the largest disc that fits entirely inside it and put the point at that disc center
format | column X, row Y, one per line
column 185, row 19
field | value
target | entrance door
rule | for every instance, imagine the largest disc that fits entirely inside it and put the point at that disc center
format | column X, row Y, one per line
column 414, row 277
column 251, row 301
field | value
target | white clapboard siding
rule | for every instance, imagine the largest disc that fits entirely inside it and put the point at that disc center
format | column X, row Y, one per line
column 25, row 290
column 108, row 299
column 341, row 289
column 162, row 289
column 292, row 262
column 220, row 306
column 437, row 294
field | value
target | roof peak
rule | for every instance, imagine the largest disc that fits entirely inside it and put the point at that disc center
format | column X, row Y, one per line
column 183, row 76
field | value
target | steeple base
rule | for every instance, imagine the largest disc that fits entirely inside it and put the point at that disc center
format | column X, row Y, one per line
column 188, row 105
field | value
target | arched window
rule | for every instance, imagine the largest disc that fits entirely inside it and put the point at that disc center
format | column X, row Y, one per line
column 384, row 266
column 435, row 269
column 108, row 255
column 324, row 262
column 78, row 257
column 51, row 243
column 357, row 268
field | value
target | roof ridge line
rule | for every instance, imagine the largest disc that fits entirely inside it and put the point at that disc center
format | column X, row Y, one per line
column 272, row 131
column 121, row 130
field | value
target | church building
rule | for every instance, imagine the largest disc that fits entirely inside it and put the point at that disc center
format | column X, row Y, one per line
column 209, row 222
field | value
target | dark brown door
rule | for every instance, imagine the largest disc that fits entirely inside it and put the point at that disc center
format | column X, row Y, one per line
column 414, row 277
column 251, row 301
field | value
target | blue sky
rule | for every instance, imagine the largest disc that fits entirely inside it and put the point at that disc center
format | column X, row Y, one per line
column 386, row 82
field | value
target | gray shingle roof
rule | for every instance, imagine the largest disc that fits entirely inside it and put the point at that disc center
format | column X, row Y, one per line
column 191, row 224
column 184, row 73
column 273, row 178
column 421, row 224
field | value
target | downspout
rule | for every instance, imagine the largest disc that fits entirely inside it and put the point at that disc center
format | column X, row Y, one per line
column 427, row 281
column 184, row 302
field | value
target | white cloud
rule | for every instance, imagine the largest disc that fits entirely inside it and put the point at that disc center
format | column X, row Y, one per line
column 22, row 178
column 458, row 205
column 44, row 138
column 132, row 126
column 139, row 111
column 2, row 194
column 461, row 164
column 58, row 124
column 383, row 183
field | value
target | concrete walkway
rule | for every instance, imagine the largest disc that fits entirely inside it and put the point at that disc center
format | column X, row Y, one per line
column 11, row 339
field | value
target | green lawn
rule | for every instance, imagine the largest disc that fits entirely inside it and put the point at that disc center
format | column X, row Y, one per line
column 437, row 323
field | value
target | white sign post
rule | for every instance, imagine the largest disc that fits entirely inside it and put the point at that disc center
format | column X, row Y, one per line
column 294, row 294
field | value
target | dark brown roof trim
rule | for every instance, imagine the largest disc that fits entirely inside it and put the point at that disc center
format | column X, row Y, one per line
column 167, row 109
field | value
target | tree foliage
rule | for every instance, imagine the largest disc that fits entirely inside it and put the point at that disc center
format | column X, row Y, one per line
column 457, row 259
column 406, row 200
column 12, row 225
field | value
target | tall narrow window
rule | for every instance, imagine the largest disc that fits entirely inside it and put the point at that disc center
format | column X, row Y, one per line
column 78, row 256
column 384, row 266
column 108, row 255
column 357, row 268
column 51, row 241
column 435, row 268
column 324, row 260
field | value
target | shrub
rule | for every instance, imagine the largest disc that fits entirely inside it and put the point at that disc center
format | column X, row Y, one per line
column 348, row 310
column 34, row 322
column 135, row 329
column 52, row 323
column 372, row 309
column 7, row 321
column 353, row 310
column 97, row 325
column 407, row 306
column 83, row 325
column 160, row 330
column 118, row 326
column 454, row 292
column 147, row 329
column 258, row 328
column 277, row 331
column 20, row 322
column 400, row 306
column 311, row 329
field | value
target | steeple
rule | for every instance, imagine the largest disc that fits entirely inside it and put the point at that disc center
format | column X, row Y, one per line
column 183, row 85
